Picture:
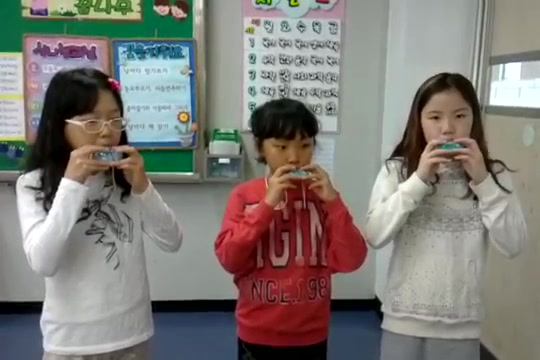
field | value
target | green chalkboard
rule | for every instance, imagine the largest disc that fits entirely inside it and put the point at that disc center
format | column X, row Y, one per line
column 152, row 25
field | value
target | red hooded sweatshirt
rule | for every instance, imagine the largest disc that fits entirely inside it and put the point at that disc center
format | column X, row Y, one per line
column 282, row 260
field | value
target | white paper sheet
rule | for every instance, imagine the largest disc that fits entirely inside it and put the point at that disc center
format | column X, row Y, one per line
column 11, row 97
column 293, row 58
column 324, row 155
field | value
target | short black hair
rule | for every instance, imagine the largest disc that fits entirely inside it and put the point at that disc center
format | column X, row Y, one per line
column 282, row 119
column 70, row 93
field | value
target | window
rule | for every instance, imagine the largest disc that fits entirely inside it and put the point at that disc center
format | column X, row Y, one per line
column 515, row 84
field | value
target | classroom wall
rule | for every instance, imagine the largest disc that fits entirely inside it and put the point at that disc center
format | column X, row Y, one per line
column 194, row 273
column 424, row 37
column 512, row 287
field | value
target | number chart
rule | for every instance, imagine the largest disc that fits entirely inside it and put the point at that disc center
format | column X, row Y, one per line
column 288, row 55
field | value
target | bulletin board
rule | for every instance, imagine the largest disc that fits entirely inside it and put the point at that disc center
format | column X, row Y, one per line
column 148, row 24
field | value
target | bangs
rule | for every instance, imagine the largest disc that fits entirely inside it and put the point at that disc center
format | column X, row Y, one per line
column 447, row 82
column 79, row 97
column 285, row 119
column 288, row 128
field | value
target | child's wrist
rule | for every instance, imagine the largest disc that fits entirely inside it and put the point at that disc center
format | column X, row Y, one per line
column 333, row 195
column 270, row 201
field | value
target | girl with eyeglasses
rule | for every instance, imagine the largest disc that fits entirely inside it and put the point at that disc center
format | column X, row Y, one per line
column 84, row 219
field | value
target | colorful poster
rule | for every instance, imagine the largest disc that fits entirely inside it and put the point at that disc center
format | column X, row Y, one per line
column 159, row 91
column 45, row 55
column 292, row 49
column 82, row 9
column 11, row 97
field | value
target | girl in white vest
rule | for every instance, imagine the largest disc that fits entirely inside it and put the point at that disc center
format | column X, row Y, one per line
column 441, row 199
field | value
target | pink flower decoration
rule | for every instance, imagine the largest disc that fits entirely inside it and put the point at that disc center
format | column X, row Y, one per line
column 115, row 85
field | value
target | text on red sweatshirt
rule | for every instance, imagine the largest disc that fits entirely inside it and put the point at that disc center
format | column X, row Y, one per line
column 282, row 261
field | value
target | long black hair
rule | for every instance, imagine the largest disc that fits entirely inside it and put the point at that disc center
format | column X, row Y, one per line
column 70, row 93
column 411, row 146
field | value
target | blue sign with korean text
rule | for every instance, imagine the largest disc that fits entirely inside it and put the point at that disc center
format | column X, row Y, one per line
column 158, row 86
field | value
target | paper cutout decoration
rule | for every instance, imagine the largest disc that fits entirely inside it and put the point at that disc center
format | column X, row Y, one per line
column 178, row 9
column 162, row 7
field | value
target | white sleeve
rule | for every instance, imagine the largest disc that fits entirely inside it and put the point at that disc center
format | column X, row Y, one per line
column 501, row 214
column 45, row 235
column 159, row 221
column 391, row 203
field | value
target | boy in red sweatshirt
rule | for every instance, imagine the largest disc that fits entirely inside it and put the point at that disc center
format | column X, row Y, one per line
column 282, row 238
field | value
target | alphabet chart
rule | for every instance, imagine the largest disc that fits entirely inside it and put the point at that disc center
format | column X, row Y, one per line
column 293, row 57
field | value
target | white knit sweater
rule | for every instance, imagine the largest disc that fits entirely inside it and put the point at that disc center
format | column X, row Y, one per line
column 440, row 239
